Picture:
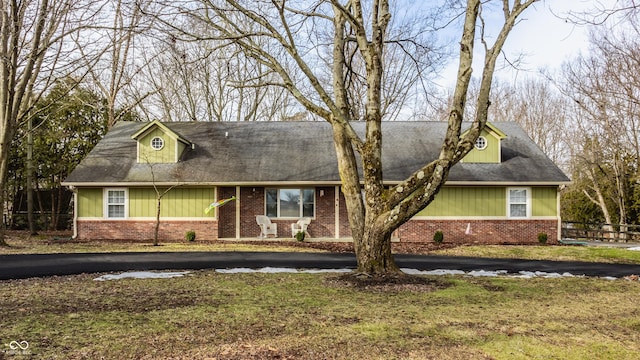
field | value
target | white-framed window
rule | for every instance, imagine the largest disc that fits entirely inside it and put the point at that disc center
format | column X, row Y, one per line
column 115, row 203
column 481, row 143
column 519, row 202
column 157, row 143
column 290, row 203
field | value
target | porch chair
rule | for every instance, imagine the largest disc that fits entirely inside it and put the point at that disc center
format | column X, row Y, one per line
column 301, row 225
column 266, row 226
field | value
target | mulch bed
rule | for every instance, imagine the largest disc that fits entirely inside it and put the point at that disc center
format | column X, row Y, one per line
column 346, row 247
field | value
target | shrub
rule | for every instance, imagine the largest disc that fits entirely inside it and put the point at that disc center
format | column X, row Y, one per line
column 542, row 238
column 300, row 236
column 190, row 235
column 438, row 237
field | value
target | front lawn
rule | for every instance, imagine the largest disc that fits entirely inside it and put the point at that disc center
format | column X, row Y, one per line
column 209, row 315
column 548, row 252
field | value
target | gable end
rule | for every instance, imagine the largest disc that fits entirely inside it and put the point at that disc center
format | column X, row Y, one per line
column 156, row 143
column 488, row 147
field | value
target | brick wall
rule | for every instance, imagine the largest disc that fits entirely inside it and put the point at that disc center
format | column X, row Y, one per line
column 142, row 230
column 227, row 213
column 482, row 231
column 324, row 225
column 251, row 204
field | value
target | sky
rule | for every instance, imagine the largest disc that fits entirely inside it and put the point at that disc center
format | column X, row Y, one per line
column 543, row 37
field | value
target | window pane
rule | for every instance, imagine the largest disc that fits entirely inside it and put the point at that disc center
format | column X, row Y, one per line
column 518, row 196
column 518, row 210
column 116, row 211
column 116, row 204
column 157, row 143
column 307, row 210
column 308, row 204
column 116, row 197
column 272, row 202
column 289, row 202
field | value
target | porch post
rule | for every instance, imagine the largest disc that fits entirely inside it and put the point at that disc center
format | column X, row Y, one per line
column 337, row 212
column 237, row 212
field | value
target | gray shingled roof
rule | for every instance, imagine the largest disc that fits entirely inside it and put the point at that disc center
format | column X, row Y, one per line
column 294, row 152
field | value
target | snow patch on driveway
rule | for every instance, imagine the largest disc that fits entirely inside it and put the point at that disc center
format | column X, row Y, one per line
column 277, row 270
column 142, row 275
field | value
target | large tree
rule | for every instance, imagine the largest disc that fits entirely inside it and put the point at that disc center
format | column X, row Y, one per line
column 68, row 122
column 282, row 36
column 109, row 48
column 605, row 89
column 31, row 54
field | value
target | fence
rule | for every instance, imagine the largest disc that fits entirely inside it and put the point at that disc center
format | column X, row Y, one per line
column 18, row 221
column 600, row 232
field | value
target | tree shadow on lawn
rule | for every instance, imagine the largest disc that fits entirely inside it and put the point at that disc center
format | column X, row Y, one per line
column 390, row 283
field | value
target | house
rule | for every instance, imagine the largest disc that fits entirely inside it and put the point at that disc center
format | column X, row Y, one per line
column 506, row 190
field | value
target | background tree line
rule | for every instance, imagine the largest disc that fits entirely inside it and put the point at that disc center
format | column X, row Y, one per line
column 72, row 69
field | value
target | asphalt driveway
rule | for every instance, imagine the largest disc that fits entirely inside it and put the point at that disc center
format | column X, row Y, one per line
column 27, row 266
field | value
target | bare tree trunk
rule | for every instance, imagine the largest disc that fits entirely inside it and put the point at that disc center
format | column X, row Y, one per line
column 29, row 185
column 156, row 230
column 43, row 215
column 55, row 215
column 4, row 154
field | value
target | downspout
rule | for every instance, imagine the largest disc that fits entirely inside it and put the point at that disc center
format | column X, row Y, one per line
column 336, row 210
column 559, row 230
column 75, row 211
column 238, row 212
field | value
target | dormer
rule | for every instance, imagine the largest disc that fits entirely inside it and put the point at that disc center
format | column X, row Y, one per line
column 488, row 146
column 159, row 144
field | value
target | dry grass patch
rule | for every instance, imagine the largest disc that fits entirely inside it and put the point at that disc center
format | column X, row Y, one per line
column 208, row 315
column 546, row 252
column 60, row 242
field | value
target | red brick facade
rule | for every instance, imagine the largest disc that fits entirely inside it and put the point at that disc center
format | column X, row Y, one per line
column 480, row 231
column 143, row 230
column 251, row 203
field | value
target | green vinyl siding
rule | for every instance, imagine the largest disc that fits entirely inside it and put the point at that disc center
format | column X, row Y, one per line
column 487, row 201
column 178, row 202
column 89, row 202
column 166, row 155
column 467, row 201
column 544, row 201
column 491, row 154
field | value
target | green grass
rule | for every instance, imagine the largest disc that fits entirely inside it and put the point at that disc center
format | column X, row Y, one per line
column 306, row 316
column 208, row 315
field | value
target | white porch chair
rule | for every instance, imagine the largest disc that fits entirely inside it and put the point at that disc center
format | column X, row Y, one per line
column 301, row 225
column 266, row 226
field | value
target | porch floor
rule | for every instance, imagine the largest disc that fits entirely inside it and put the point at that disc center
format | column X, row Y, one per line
column 288, row 239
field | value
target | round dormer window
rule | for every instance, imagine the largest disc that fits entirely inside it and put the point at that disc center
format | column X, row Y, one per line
column 481, row 143
column 157, row 143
